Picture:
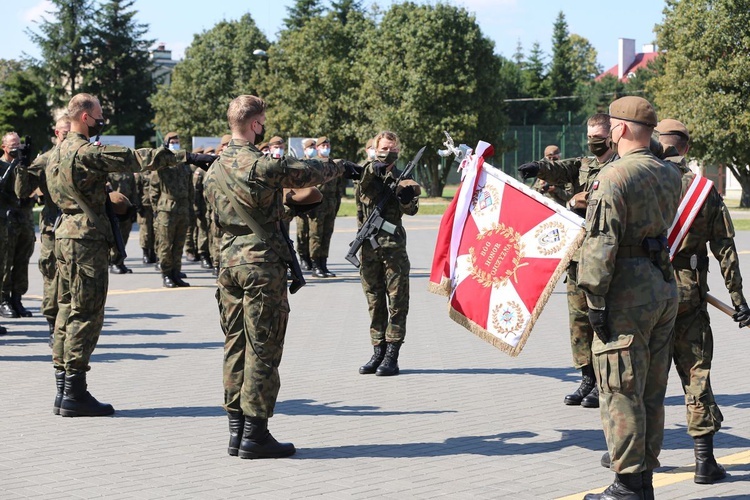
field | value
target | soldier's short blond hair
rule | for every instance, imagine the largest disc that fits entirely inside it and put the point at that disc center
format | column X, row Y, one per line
column 8, row 137
column 242, row 109
column 63, row 121
column 80, row 103
column 387, row 134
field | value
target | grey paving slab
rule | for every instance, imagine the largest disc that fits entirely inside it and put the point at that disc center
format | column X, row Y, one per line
column 463, row 420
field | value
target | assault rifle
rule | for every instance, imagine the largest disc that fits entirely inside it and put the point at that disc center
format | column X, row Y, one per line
column 119, row 249
column 375, row 222
column 295, row 272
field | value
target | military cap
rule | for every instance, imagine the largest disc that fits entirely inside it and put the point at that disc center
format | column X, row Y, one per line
column 308, row 143
column 225, row 139
column 171, row 135
column 198, row 150
column 209, row 150
column 668, row 126
column 262, row 146
column 633, row 109
column 551, row 150
column 302, row 196
column 322, row 140
column 275, row 140
column 120, row 202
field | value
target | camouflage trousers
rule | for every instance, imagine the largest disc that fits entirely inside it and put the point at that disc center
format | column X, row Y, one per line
column 693, row 352
column 48, row 268
column 170, row 229
column 215, row 234
column 146, row 228
column 191, row 235
column 321, row 228
column 125, row 227
column 201, row 236
column 20, row 247
column 82, row 283
column 253, row 312
column 303, row 235
column 385, row 281
column 632, row 372
column 3, row 249
column 581, row 332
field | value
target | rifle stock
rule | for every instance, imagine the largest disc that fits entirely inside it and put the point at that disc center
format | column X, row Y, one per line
column 120, row 254
column 298, row 279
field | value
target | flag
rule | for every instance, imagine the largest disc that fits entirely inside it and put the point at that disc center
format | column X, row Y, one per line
column 500, row 252
column 688, row 210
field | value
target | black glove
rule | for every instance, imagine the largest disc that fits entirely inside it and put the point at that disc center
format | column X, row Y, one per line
column 406, row 194
column 379, row 168
column 598, row 320
column 200, row 160
column 742, row 316
column 529, row 170
column 351, row 170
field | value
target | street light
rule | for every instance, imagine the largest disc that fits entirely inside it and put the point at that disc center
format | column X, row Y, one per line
column 260, row 53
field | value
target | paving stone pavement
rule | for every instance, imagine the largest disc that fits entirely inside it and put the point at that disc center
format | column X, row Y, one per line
column 463, row 420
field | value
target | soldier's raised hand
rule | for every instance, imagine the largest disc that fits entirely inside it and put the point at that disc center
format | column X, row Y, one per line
column 529, row 170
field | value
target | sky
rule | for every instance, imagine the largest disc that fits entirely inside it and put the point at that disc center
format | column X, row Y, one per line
column 506, row 22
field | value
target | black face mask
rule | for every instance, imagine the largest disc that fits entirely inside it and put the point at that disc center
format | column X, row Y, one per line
column 13, row 153
column 388, row 157
column 259, row 137
column 598, row 146
column 96, row 129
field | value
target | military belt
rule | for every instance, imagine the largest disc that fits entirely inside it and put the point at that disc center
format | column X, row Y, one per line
column 692, row 262
column 632, row 252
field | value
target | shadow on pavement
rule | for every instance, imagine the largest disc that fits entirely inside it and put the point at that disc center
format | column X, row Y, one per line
column 106, row 332
column 310, row 407
column 736, row 400
column 561, row 374
column 175, row 411
column 166, row 345
column 142, row 316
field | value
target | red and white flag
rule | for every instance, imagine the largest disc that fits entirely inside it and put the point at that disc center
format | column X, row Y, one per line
column 501, row 249
column 688, row 210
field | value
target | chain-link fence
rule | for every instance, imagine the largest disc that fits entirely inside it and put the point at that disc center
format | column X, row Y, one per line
column 528, row 143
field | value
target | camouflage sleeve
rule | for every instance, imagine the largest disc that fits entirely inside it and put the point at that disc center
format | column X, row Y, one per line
column 28, row 178
column 289, row 172
column 122, row 159
column 606, row 215
column 560, row 171
column 721, row 242
column 410, row 208
column 154, row 190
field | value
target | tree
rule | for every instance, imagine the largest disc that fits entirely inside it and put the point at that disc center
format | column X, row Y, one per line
column 64, row 43
column 585, row 67
column 533, row 98
column 23, row 103
column 121, row 71
column 301, row 12
column 561, row 79
column 430, row 70
column 218, row 66
column 704, row 83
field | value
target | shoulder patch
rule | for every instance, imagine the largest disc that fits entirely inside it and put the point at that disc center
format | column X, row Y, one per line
column 595, row 185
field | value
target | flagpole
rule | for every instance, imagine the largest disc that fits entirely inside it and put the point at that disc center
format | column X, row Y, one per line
column 721, row 306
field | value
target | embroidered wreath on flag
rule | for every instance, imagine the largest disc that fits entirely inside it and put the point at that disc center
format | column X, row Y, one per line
column 489, row 278
column 503, row 316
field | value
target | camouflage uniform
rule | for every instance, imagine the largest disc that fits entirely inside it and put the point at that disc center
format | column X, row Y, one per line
column 693, row 343
column 145, row 212
column 171, row 198
column 124, row 182
column 27, row 181
column 324, row 218
column 201, row 215
column 81, row 248
column 580, row 174
column 21, row 237
column 7, row 200
column 303, row 236
column 562, row 193
column 385, row 270
column 191, row 235
column 252, row 296
column 634, row 198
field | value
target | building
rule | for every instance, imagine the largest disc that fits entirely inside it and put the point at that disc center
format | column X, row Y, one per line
column 163, row 64
column 628, row 61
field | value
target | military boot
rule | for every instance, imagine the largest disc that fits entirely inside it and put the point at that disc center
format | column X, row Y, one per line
column 206, row 262
column 15, row 300
column 177, row 279
column 60, row 383
column 592, row 399
column 625, row 487
column 324, row 267
column 707, row 471
column 317, row 270
column 375, row 360
column 78, row 402
column 120, row 269
column 647, row 476
column 152, row 256
column 236, row 425
column 606, row 460
column 257, row 442
column 167, row 281
column 3, row 330
column 146, row 256
column 588, row 382
column 389, row 366
column 306, row 263
column 51, row 324
column 6, row 308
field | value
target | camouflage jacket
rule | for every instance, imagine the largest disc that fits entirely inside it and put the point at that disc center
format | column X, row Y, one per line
column 257, row 181
column 561, row 194
column 82, row 166
column 580, row 172
column 712, row 226
column 172, row 189
column 333, row 189
column 124, row 182
column 367, row 192
column 633, row 198
column 33, row 177
column 143, row 187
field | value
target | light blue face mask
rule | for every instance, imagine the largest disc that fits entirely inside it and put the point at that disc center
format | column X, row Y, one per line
column 310, row 152
column 324, row 152
column 278, row 153
column 174, row 147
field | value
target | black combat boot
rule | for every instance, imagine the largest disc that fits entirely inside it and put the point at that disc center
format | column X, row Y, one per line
column 317, row 269
column 588, row 382
column 305, row 262
column 167, row 281
column 3, row 330
column 120, row 269
column 236, row 425
column 177, row 279
column 152, row 256
column 6, row 308
column 78, row 402
column 60, row 383
column 51, row 324
column 707, row 471
column 146, row 256
column 375, row 360
column 389, row 366
column 257, row 442
column 592, row 399
column 647, row 476
column 206, row 262
column 15, row 300
column 625, row 487
column 606, row 460
column 324, row 267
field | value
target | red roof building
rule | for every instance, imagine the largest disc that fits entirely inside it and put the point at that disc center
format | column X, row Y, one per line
column 628, row 61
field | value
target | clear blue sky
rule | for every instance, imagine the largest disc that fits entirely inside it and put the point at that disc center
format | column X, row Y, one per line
column 503, row 21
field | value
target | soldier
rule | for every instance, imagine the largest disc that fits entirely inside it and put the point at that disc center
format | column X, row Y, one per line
column 20, row 242
column 172, row 195
column 385, row 270
column 26, row 182
column 560, row 193
column 370, row 150
column 76, row 177
column 323, row 219
column 145, row 217
column 632, row 295
column 693, row 342
column 303, row 220
column 580, row 173
column 276, row 147
column 124, row 183
column 254, row 323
